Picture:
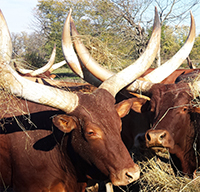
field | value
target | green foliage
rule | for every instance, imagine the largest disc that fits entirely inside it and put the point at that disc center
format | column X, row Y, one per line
column 94, row 18
column 34, row 59
column 109, row 25
column 194, row 55
column 169, row 43
column 51, row 15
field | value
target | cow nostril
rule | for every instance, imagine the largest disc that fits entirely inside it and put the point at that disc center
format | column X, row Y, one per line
column 129, row 176
column 162, row 136
column 148, row 137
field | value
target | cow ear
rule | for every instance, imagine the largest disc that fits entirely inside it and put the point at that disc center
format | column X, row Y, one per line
column 138, row 104
column 65, row 123
column 124, row 107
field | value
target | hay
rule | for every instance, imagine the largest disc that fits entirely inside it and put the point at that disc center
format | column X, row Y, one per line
column 157, row 175
column 11, row 106
column 100, row 51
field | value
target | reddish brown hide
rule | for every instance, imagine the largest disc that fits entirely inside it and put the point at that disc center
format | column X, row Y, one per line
column 175, row 123
column 82, row 147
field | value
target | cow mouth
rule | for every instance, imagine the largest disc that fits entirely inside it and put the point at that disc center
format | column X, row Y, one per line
column 159, row 149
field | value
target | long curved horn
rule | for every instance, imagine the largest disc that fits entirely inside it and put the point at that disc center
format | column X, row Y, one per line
column 67, row 48
column 157, row 75
column 21, row 71
column 160, row 73
column 57, row 65
column 135, row 70
column 40, row 70
column 71, row 57
column 94, row 67
column 5, row 41
column 47, row 66
column 88, row 61
column 26, row 89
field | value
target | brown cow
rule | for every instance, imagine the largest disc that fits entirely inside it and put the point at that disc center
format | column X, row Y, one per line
column 85, row 58
column 170, row 107
column 87, row 139
column 134, row 122
column 175, row 122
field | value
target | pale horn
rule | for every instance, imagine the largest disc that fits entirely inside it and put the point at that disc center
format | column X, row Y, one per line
column 5, row 41
column 135, row 70
column 88, row 61
column 71, row 57
column 160, row 73
column 155, row 76
column 40, row 70
column 57, row 65
column 21, row 87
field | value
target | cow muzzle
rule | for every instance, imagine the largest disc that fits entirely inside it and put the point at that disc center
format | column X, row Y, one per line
column 126, row 176
column 159, row 138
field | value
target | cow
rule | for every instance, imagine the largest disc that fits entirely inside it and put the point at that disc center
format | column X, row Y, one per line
column 175, row 122
column 85, row 141
column 43, row 76
column 134, row 123
column 165, row 104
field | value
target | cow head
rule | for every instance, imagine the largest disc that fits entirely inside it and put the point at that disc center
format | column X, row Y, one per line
column 99, row 140
column 92, row 119
column 173, row 122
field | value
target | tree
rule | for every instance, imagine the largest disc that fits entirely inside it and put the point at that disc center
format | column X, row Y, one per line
column 123, row 27
column 27, row 49
column 194, row 55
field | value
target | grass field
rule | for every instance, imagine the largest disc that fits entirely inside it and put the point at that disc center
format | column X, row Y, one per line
column 66, row 74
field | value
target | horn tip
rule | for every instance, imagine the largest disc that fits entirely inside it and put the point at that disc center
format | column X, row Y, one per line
column 70, row 10
column 156, row 20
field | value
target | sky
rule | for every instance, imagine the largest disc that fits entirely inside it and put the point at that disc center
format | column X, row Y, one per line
column 19, row 14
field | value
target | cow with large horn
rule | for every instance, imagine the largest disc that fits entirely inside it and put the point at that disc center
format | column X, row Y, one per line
column 42, row 72
column 85, row 141
column 134, row 123
column 173, row 107
column 173, row 114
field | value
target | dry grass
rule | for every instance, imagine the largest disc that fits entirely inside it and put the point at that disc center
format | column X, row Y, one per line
column 110, row 59
column 159, row 176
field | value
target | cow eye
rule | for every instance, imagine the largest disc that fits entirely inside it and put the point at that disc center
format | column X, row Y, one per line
column 93, row 134
column 185, row 109
column 90, row 133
